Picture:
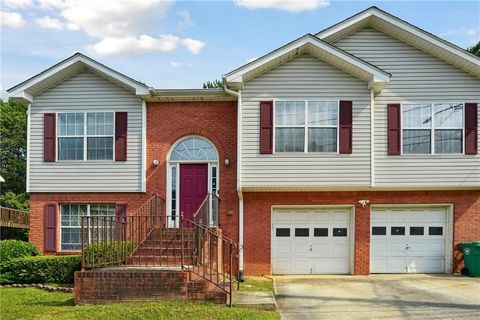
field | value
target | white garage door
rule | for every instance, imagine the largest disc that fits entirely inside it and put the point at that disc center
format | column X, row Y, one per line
column 408, row 240
column 311, row 241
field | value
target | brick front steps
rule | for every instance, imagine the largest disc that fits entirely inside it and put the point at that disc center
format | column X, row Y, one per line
column 143, row 283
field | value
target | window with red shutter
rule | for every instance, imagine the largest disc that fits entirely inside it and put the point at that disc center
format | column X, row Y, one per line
column 393, row 130
column 121, row 125
column 266, row 127
column 50, row 244
column 345, row 127
column 471, row 128
column 49, row 137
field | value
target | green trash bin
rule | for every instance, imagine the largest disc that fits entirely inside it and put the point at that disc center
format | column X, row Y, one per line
column 471, row 257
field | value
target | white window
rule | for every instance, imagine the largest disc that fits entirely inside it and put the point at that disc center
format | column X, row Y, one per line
column 96, row 133
column 301, row 130
column 71, row 222
column 432, row 128
column 70, row 136
column 100, row 136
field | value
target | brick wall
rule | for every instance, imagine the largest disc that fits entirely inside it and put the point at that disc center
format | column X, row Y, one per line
column 214, row 120
column 113, row 285
column 257, row 213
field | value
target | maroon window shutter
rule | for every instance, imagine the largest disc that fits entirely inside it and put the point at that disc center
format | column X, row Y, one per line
column 50, row 227
column 49, row 137
column 121, row 211
column 121, row 136
column 345, row 127
column 266, row 127
column 393, row 115
column 471, row 128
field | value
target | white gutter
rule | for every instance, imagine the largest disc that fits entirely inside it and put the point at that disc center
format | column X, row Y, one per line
column 144, row 146
column 239, row 175
column 372, row 138
column 27, row 178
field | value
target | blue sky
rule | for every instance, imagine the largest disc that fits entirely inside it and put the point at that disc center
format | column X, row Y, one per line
column 181, row 44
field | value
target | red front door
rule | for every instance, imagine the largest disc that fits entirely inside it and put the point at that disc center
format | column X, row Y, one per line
column 193, row 188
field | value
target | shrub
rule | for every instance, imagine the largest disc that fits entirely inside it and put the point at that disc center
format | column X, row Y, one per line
column 108, row 252
column 10, row 249
column 41, row 269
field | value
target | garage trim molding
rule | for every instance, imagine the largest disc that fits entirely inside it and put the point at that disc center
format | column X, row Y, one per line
column 449, row 226
column 351, row 225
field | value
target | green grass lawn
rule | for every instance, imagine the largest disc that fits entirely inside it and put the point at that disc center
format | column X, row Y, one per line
column 256, row 284
column 30, row 303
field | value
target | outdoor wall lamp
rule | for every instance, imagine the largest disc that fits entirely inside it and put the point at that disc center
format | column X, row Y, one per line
column 155, row 162
column 227, row 162
column 364, row 202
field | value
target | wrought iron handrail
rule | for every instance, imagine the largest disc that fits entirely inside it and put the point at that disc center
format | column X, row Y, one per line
column 14, row 218
column 208, row 213
column 145, row 238
column 213, row 253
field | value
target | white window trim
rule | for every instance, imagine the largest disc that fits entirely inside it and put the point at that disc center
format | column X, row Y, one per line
column 85, row 147
column 305, row 126
column 432, row 129
column 59, row 223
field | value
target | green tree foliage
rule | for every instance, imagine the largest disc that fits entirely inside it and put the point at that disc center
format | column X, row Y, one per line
column 475, row 49
column 213, row 84
column 13, row 153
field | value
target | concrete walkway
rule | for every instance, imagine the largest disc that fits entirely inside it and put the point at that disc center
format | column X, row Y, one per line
column 378, row 297
column 263, row 300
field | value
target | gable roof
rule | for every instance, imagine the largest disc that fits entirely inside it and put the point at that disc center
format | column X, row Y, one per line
column 26, row 90
column 406, row 32
column 376, row 77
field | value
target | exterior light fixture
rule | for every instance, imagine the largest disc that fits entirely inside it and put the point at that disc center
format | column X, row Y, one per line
column 227, row 162
column 155, row 162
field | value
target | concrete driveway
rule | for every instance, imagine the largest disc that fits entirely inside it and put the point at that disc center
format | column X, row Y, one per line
column 378, row 297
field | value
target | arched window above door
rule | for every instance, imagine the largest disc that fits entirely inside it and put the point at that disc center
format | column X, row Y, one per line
column 194, row 149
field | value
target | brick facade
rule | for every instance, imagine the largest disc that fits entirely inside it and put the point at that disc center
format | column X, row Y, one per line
column 257, row 217
column 214, row 120
column 113, row 285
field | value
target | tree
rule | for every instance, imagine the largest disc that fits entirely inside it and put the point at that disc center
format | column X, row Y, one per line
column 13, row 153
column 475, row 49
column 213, row 84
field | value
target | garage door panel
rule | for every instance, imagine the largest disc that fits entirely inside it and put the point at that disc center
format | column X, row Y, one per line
column 408, row 240
column 311, row 246
column 332, row 266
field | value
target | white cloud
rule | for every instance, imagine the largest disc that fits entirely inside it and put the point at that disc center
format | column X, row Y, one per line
column 194, row 46
column 285, row 5
column 176, row 64
column 16, row 4
column 119, row 27
column 49, row 23
column 143, row 44
column 187, row 19
column 12, row 20
column 114, row 18
column 469, row 32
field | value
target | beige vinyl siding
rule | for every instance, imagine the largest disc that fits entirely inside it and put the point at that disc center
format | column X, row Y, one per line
column 84, row 92
column 416, row 77
column 305, row 77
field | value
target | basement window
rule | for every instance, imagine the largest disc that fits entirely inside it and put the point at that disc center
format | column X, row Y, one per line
column 71, row 222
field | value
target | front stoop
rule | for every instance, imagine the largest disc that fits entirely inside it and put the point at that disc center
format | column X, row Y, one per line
column 149, row 283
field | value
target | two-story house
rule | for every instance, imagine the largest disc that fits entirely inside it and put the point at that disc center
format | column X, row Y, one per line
column 350, row 151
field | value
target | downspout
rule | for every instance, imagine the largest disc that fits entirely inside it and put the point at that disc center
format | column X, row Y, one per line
column 372, row 138
column 238, row 95
column 29, row 116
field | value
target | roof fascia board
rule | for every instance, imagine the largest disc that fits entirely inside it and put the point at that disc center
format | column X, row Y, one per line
column 424, row 35
column 237, row 75
column 18, row 91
